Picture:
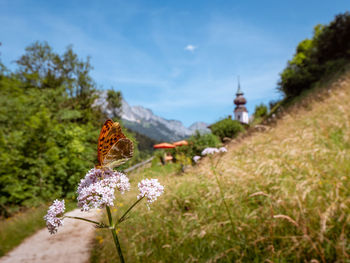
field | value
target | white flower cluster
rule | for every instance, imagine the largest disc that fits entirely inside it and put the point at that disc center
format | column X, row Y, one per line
column 211, row 150
column 151, row 189
column 53, row 215
column 222, row 150
column 97, row 189
column 196, row 158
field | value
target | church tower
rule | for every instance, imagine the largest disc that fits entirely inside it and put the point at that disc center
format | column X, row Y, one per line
column 241, row 113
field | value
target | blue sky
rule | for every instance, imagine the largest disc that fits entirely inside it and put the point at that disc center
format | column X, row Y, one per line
column 179, row 58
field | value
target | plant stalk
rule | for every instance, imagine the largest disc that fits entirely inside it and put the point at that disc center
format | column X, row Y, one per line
column 122, row 218
column 99, row 224
column 114, row 234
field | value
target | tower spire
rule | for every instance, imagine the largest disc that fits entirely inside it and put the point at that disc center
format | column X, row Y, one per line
column 239, row 91
column 241, row 113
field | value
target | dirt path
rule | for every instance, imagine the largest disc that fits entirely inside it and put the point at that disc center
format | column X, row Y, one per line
column 72, row 243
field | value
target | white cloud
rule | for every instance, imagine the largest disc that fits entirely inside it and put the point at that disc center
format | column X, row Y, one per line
column 190, row 48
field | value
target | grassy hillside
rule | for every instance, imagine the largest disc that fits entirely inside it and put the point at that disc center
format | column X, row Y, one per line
column 287, row 189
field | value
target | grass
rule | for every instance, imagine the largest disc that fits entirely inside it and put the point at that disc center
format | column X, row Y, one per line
column 14, row 230
column 288, row 191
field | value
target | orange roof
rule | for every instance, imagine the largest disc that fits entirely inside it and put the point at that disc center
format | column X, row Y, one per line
column 163, row 145
column 180, row 143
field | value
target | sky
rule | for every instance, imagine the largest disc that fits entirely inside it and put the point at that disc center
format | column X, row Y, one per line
column 178, row 58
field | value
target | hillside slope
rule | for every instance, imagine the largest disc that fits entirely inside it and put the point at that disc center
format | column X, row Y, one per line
column 287, row 190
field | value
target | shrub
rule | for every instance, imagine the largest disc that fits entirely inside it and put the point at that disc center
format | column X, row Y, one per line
column 226, row 128
column 196, row 144
column 325, row 53
column 260, row 111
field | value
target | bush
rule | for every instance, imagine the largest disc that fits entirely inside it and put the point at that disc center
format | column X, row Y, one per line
column 226, row 128
column 326, row 52
column 196, row 144
column 48, row 127
column 260, row 111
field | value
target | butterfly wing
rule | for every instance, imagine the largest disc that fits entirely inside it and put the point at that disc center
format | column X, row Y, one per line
column 119, row 153
column 114, row 148
column 102, row 138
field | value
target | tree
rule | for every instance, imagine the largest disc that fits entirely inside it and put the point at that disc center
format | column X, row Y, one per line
column 260, row 111
column 226, row 128
column 48, row 127
column 41, row 68
column 114, row 100
column 326, row 52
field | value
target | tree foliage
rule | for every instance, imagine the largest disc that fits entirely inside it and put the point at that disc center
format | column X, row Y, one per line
column 261, row 111
column 226, row 128
column 196, row 144
column 327, row 51
column 114, row 99
column 48, row 126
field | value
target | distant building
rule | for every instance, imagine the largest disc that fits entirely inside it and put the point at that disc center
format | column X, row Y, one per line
column 240, row 112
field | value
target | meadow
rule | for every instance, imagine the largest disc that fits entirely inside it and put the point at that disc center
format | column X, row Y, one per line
column 287, row 190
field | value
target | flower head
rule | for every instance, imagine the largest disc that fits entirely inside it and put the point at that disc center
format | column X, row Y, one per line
column 52, row 218
column 209, row 150
column 151, row 189
column 196, row 158
column 97, row 189
column 222, row 150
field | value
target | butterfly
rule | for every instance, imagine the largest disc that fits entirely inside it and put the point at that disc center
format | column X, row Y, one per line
column 113, row 147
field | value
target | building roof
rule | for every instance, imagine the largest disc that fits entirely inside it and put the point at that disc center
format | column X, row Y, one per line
column 240, row 109
column 240, row 100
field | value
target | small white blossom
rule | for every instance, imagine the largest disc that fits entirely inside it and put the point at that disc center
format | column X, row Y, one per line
column 97, row 189
column 209, row 150
column 52, row 218
column 222, row 150
column 196, row 158
column 151, row 189
column 123, row 184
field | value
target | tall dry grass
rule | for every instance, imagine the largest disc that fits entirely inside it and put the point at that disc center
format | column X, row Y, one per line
column 288, row 190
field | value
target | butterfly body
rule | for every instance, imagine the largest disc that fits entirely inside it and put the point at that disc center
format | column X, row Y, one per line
column 113, row 148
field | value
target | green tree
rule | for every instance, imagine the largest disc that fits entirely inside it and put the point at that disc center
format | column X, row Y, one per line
column 260, row 111
column 114, row 100
column 48, row 127
column 42, row 68
column 326, row 52
column 226, row 128
column 196, row 144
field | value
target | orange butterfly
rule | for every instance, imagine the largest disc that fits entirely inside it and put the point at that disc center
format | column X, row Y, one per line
column 113, row 148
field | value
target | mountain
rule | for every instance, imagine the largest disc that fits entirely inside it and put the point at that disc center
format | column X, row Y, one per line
column 144, row 121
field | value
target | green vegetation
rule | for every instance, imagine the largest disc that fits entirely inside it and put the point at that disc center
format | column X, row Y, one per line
column 196, row 144
column 288, row 191
column 48, row 127
column 327, row 52
column 261, row 111
column 145, row 144
column 114, row 99
column 226, row 128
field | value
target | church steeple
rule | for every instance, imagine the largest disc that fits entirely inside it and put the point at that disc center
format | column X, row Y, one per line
column 239, row 91
column 240, row 112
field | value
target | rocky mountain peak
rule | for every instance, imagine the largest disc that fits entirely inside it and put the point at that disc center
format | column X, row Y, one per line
column 144, row 121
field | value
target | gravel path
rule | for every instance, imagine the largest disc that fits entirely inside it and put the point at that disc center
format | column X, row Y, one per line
column 72, row 243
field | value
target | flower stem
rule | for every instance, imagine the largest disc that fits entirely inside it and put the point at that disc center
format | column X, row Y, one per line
column 122, row 218
column 99, row 224
column 114, row 234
